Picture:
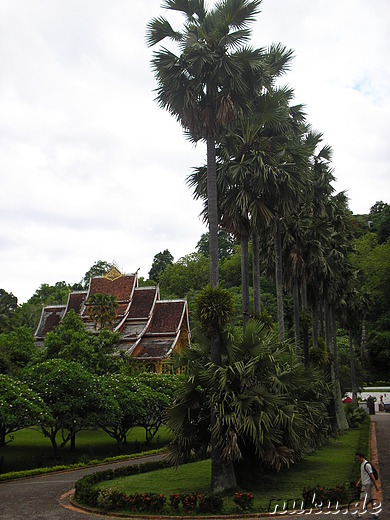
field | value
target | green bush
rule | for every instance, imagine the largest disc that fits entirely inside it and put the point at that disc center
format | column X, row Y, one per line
column 339, row 493
column 189, row 501
column 87, row 493
column 113, row 500
column 355, row 415
column 211, row 503
column 243, row 500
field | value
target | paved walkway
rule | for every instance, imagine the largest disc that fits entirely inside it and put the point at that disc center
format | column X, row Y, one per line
column 39, row 498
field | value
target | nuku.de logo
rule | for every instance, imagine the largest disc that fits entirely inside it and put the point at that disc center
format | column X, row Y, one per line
column 310, row 505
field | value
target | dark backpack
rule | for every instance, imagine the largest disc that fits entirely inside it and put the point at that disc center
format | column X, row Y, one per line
column 374, row 471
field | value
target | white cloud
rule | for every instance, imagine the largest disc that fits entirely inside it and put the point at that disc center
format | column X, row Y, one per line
column 92, row 168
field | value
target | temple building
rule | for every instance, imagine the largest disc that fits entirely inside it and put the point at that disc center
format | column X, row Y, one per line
column 150, row 329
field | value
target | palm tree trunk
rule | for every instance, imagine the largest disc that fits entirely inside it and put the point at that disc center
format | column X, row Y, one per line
column 245, row 280
column 256, row 272
column 315, row 325
column 279, row 277
column 305, row 325
column 304, row 294
column 353, row 372
column 340, row 412
column 329, row 373
column 212, row 209
column 363, row 345
column 321, row 320
column 296, row 313
column 222, row 473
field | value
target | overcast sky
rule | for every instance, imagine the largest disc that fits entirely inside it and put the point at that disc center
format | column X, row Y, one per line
column 92, row 169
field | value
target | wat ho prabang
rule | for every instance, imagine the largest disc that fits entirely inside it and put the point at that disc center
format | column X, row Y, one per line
column 150, row 329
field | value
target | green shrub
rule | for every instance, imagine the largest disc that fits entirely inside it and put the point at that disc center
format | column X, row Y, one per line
column 339, row 493
column 210, row 503
column 355, row 415
column 243, row 500
column 87, row 493
column 174, row 500
column 189, row 501
column 113, row 500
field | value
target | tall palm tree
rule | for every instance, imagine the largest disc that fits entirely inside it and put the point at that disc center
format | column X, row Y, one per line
column 213, row 77
column 247, row 156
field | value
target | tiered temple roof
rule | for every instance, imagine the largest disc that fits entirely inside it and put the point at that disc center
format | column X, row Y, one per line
column 150, row 328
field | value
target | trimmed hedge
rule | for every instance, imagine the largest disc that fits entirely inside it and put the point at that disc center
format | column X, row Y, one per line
column 14, row 475
column 87, row 493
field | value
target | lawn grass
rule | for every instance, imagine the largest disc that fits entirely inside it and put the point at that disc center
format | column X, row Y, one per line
column 30, row 449
column 329, row 466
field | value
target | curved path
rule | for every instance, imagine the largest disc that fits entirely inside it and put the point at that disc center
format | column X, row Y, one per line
column 39, row 498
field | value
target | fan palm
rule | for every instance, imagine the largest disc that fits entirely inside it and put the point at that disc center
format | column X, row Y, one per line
column 269, row 407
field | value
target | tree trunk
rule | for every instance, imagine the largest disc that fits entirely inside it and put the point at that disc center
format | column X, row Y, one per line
column 305, row 325
column 321, row 320
column 73, row 442
column 296, row 314
column 304, row 294
column 279, row 277
column 220, row 473
column 212, row 209
column 353, row 372
column 363, row 346
column 315, row 325
column 245, row 280
column 256, row 273
column 340, row 412
column 329, row 374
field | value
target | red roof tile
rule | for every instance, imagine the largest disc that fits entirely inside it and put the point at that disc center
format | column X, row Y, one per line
column 142, row 303
column 75, row 301
column 50, row 318
column 166, row 317
column 121, row 287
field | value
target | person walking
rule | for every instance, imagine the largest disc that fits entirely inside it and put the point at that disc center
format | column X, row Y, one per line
column 367, row 482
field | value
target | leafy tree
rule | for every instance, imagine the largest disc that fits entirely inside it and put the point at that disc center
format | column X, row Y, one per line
column 75, row 397
column 28, row 314
column 230, row 269
column 226, row 245
column 8, row 305
column 56, row 294
column 384, row 225
column 99, row 268
column 71, row 341
column 157, row 392
column 142, row 401
column 130, row 405
column 20, row 408
column 17, row 349
column 189, row 273
column 160, row 262
column 102, row 309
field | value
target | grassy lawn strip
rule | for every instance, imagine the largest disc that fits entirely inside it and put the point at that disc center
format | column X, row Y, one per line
column 327, row 467
column 30, row 449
